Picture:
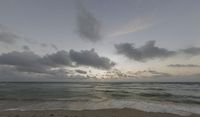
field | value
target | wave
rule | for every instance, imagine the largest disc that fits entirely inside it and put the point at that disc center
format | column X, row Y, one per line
column 185, row 101
column 44, row 99
column 144, row 96
column 156, row 95
column 148, row 106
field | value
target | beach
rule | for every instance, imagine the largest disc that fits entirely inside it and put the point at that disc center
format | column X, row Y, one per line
column 89, row 113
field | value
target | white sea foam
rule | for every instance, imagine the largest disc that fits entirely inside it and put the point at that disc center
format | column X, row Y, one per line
column 140, row 105
column 184, row 110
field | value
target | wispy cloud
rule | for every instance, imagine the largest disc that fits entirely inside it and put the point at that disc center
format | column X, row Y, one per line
column 7, row 35
column 138, row 24
column 184, row 65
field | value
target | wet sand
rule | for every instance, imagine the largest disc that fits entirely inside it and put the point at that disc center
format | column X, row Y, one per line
column 89, row 113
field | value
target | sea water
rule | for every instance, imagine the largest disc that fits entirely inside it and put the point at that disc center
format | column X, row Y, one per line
column 180, row 97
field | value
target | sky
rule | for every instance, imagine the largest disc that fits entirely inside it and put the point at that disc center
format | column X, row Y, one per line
column 99, row 40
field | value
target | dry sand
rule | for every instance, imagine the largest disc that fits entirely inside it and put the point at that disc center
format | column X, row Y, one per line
column 88, row 113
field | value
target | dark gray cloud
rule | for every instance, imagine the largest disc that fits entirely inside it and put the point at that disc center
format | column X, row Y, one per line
column 26, row 48
column 191, row 51
column 91, row 58
column 143, row 53
column 88, row 26
column 81, row 71
column 28, row 61
column 183, row 65
column 23, row 61
column 60, row 58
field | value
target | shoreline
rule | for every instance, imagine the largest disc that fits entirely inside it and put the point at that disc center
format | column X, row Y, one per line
column 125, row 112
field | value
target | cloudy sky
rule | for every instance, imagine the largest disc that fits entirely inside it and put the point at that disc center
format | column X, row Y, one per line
column 99, row 40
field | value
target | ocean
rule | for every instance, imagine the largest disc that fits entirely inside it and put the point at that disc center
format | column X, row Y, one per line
column 179, row 98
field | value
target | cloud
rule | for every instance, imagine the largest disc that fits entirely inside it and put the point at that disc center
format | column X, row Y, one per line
column 60, row 58
column 7, row 36
column 10, row 74
column 191, row 51
column 44, row 45
column 23, row 61
column 54, row 47
column 143, row 53
column 183, row 65
column 91, row 58
column 157, row 73
column 128, row 75
column 28, row 61
column 149, row 73
column 88, row 26
column 26, row 48
column 138, row 24
column 81, row 71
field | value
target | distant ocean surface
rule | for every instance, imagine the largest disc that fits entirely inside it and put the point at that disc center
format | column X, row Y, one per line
column 179, row 98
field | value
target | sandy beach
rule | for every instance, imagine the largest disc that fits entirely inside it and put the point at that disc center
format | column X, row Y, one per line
column 89, row 113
